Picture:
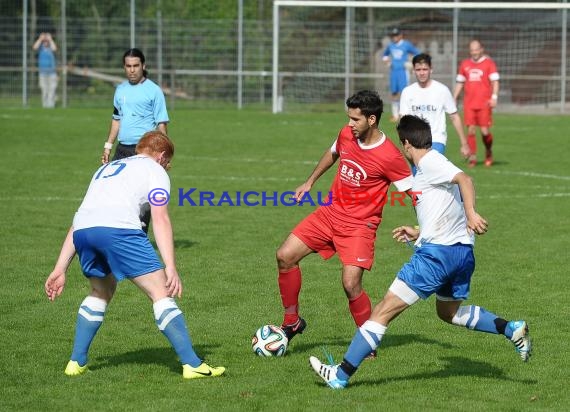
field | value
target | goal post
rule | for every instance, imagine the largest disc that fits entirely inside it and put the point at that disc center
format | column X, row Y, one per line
column 527, row 40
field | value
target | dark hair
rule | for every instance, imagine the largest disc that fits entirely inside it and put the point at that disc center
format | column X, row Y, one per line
column 422, row 58
column 415, row 130
column 369, row 103
column 135, row 53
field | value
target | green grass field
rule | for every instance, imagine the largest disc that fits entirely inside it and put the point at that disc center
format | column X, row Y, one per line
column 226, row 257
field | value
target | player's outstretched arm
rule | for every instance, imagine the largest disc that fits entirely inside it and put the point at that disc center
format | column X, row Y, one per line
column 475, row 223
column 327, row 160
column 405, row 234
column 56, row 280
column 162, row 229
column 458, row 124
column 457, row 91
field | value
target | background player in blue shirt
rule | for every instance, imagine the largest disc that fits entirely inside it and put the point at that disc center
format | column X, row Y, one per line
column 138, row 107
column 396, row 55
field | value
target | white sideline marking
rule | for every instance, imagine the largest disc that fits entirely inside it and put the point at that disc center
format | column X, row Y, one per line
column 248, row 160
column 521, row 196
column 40, row 199
column 533, row 174
column 244, row 178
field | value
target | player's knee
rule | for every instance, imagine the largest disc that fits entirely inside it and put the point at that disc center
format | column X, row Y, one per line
column 352, row 287
column 285, row 259
column 105, row 294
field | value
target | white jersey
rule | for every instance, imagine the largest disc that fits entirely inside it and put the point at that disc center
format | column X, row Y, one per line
column 439, row 207
column 119, row 191
column 430, row 103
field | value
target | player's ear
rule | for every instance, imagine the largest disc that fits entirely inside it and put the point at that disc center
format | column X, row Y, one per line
column 372, row 119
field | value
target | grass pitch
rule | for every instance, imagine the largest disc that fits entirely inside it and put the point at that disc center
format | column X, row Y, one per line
column 226, row 258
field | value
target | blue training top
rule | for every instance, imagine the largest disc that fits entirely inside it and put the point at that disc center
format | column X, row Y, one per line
column 399, row 52
column 46, row 60
column 139, row 108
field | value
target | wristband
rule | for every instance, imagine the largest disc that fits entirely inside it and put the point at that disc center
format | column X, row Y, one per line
column 108, row 146
column 494, row 96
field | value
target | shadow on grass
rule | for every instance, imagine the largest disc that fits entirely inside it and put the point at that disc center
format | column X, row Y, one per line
column 159, row 355
column 178, row 244
column 453, row 366
column 388, row 341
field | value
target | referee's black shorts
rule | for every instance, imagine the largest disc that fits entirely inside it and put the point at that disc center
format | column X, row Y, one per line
column 124, row 150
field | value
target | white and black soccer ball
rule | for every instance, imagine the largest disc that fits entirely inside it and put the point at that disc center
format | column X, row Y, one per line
column 269, row 340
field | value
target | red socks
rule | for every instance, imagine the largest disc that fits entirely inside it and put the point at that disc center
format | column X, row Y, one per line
column 360, row 308
column 488, row 141
column 472, row 143
column 290, row 287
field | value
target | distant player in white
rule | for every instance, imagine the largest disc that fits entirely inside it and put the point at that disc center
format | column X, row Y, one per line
column 431, row 100
column 110, row 243
column 442, row 264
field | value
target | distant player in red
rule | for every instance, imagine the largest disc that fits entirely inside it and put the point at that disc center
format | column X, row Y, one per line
column 368, row 163
column 480, row 78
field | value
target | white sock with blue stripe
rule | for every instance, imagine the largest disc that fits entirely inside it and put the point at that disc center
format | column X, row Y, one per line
column 476, row 318
column 365, row 340
column 171, row 323
column 89, row 319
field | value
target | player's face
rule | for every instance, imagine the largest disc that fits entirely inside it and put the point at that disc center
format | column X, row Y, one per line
column 397, row 38
column 165, row 161
column 422, row 72
column 475, row 50
column 134, row 69
column 359, row 123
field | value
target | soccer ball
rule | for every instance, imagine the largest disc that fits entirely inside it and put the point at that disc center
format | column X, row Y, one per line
column 269, row 340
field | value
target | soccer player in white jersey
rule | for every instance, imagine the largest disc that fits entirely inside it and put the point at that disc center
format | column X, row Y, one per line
column 442, row 264
column 107, row 236
column 431, row 100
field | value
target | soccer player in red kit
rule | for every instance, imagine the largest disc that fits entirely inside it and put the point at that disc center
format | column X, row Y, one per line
column 368, row 163
column 479, row 77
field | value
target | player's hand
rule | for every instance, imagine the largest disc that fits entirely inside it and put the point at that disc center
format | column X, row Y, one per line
column 492, row 103
column 301, row 190
column 465, row 151
column 173, row 283
column 105, row 156
column 476, row 224
column 54, row 284
column 405, row 234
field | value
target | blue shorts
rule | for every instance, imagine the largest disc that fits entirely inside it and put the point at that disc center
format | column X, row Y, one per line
column 444, row 270
column 399, row 79
column 126, row 253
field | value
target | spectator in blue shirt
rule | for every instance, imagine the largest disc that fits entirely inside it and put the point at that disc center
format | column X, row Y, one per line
column 47, row 68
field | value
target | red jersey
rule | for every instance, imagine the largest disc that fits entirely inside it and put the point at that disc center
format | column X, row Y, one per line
column 477, row 77
column 360, row 188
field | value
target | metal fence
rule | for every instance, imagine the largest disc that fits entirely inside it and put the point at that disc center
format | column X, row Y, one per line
column 229, row 62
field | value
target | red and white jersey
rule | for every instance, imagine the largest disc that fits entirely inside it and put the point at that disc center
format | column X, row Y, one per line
column 477, row 77
column 360, row 188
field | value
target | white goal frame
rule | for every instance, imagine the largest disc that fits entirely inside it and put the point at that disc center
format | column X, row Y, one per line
column 278, row 4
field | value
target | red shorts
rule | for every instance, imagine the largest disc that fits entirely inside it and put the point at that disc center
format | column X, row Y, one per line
column 327, row 236
column 478, row 117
